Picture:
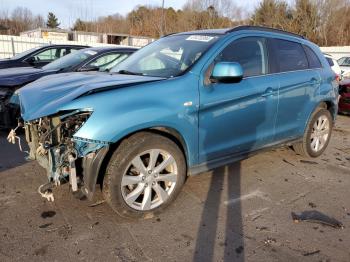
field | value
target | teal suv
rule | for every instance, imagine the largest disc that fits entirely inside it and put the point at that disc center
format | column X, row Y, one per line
column 182, row 105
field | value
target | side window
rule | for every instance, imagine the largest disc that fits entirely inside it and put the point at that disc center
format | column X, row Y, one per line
column 290, row 55
column 64, row 51
column 71, row 50
column 250, row 53
column 330, row 61
column 314, row 62
column 108, row 61
column 344, row 61
column 47, row 55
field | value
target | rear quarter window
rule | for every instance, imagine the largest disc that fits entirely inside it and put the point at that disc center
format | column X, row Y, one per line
column 330, row 61
column 314, row 62
column 290, row 56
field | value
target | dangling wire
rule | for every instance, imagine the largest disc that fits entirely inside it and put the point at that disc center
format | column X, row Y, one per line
column 12, row 136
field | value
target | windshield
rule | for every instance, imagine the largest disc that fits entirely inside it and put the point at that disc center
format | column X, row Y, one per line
column 70, row 60
column 20, row 55
column 344, row 61
column 168, row 57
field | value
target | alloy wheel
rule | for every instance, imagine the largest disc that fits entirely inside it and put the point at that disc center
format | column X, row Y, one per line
column 149, row 179
column 320, row 133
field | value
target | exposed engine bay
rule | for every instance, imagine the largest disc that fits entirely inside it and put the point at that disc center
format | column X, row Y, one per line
column 52, row 143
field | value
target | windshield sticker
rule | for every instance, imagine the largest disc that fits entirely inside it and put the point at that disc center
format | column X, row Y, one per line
column 90, row 52
column 200, row 38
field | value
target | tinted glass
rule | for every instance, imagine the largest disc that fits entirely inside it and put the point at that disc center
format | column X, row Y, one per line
column 314, row 62
column 249, row 52
column 344, row 61
column 48, row 55
column 108, row 61
column 71, row 60
column 290, row 56
column 330, row 61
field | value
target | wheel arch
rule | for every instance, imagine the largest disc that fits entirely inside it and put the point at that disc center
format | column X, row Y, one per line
column 326, row 104
column 95, row 169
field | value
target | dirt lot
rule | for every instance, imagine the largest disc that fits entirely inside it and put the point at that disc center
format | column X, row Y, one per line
column 240, row 212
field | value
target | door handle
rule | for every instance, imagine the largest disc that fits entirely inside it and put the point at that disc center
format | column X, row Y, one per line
column 269, row 92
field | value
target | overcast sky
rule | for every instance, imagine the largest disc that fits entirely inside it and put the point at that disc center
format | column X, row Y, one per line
column 68, row 10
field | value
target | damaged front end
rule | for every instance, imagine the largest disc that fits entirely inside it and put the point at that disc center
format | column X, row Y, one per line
column 65, row 157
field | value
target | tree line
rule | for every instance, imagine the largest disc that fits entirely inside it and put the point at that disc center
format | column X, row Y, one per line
column 22, row 19
column 325, row 22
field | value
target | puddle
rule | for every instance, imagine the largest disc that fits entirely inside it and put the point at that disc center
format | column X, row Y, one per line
column 47, row 214
column 314, row 216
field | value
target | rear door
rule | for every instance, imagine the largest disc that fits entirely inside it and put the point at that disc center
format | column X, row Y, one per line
column 299, row 82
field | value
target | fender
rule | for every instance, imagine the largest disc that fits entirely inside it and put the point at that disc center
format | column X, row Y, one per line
column 92, row 164
column 333, row 108
column 127, row 110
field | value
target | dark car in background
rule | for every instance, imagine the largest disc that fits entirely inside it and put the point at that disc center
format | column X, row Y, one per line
column 89, row 59
column 39, row 56
column 344, row 92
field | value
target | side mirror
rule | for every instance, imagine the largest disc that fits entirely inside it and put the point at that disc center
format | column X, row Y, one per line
column 31, row 60
column 89, row 68
column 227, row 72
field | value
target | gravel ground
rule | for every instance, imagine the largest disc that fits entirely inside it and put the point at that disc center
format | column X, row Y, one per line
column 240, row 212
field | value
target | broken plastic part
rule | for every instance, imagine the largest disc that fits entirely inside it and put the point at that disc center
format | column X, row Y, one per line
column 72, row 173
column 316, row 217
column 12, row 136
column 45, row 191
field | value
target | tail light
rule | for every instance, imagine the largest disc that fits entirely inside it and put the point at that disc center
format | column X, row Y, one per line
column 337, row 78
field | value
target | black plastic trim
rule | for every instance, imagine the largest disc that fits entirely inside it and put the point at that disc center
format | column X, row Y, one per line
column 91, row 170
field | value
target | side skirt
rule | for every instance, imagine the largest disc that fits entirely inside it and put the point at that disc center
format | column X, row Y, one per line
column 212, row 164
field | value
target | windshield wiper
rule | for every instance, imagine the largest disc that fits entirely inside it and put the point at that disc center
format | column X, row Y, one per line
column 126, row 72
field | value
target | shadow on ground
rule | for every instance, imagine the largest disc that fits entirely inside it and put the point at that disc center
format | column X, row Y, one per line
column 10, row 155
column 229, row 177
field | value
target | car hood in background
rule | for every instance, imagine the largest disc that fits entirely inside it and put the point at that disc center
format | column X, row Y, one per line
column 45, row 96
column 18, row 76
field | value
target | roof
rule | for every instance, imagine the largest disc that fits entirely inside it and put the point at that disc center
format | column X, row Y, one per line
column 59, row 45
column 241, row 28
column 206, row 31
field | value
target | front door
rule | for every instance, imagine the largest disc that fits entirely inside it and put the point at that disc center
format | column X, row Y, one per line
column 238, row 117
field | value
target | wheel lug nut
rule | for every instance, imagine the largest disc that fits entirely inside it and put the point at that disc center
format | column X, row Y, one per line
column 149, row 171
column 143, row 178
column 155, row 175
column 146, row 185
column 153, row 183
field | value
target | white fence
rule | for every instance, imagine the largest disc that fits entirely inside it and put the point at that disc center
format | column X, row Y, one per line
column 11, row 45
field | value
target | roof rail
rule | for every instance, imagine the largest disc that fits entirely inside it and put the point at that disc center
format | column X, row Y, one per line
column 265, row 29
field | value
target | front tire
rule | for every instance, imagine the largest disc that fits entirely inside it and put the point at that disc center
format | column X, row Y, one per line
column 317, row 134
column 144, row 175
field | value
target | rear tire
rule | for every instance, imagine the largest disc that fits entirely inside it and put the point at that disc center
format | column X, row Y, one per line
column 145, row 174
column 317, row 134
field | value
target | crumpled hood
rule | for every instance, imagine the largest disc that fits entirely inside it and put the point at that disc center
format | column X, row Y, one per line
column 18, row 75
column 48, row 94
